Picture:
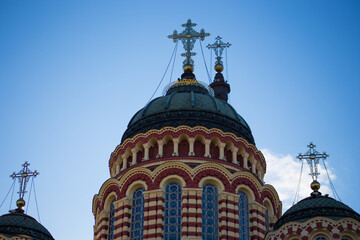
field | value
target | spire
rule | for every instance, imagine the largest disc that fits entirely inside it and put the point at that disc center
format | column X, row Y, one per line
column 312, row 158
column 188, row 37
column 23, row 176
column 220, row 86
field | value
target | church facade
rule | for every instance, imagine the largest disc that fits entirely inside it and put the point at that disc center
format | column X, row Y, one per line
column 188, row 168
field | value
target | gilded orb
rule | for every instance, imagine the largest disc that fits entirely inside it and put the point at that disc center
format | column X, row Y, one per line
column 315, row 185
column 188, row 67
column 219, row 68
column 20, row 203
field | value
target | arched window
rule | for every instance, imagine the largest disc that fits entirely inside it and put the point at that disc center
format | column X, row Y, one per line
column 111, row 221
column 244, row 217
column 172, row 225
column 321, row 238
column 210, row 212
column 267, row 220
column 137, row 215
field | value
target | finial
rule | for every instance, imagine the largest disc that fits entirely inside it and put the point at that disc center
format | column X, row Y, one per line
column 220, row 87
column 315, row 185
column 23, row 176
column 312, row 158
column 218, row 46
column 188, row 38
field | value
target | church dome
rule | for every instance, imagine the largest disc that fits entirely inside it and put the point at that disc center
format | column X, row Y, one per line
column 17, row 223
column 314, row 206
column 191, row 104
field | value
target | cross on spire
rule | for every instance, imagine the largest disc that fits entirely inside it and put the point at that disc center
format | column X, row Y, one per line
column 218, row 46
column 312, row 158
column 23, row 176
column 188, row 38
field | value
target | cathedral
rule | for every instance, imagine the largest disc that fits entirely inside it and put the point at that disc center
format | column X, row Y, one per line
column 187, row 167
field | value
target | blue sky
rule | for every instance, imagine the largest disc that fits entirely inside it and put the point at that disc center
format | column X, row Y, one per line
column 73, row 73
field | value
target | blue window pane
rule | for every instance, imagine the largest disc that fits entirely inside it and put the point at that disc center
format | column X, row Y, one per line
column 111, row 221
column 267, row 221
column 137, row 215
column 321, row 238
column 172, row 219
column 210, row 212
column 244, row 217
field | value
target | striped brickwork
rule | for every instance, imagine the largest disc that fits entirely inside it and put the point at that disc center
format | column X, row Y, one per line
column 153, row 214
column 241, row 168
column 257, row 221
column 228, row 216
column 101, row 226
column 191, row 201
column 191, row 214
column 310, row 229
column 122, row 219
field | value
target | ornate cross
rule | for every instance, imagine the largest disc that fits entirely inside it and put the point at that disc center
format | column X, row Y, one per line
column 312, row 158
column 24, row 176
column 188, row 38
column 218, row 46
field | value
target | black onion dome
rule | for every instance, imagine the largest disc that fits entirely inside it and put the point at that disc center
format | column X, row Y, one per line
column 190, row 104
column 314, row 206
column 14, row 224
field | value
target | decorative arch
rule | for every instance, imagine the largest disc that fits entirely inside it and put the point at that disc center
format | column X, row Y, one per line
column 247, row 190
column 109, row 198
column 214, row 181
column 320, row 234
column 183, row 145
column 152, row 141
column 270, row 193
column 213, row 170
column 159, row 134
column 133, row 175
column 113, row 188
column 200, row 138
column 168, row 147
column 349, row 234
column 109, row 186
column 199, row 145
column 244, row 180
column 172, row 168
column 172, row 178
column 153, row 148
column 134, row 186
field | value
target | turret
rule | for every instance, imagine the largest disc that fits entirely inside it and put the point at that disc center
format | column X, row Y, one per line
column 219, row 85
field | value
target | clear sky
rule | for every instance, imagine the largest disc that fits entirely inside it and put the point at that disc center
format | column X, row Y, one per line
column 73, row 73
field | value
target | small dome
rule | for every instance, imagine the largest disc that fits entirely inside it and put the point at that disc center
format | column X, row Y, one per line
column 189, row 104
column 314, row 206
column 14, row 224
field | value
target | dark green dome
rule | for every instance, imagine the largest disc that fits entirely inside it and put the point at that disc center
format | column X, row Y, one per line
column 16, row 223
column 314, row 206
column 189, row 104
